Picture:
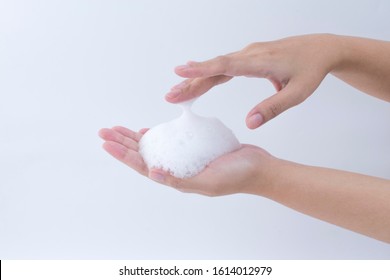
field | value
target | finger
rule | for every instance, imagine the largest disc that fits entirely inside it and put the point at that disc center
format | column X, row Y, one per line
column 186, row 185
column 213, row 67
column 163, row 177
column 241, row 63
column 128, row 133
column 129, row 157
column 229, row 65
column 143, row 130
column 106, row 134
column 114, row 136
column 192, row 88
column 289, row 96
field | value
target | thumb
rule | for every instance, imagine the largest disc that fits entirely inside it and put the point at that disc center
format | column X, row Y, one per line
column 269, row 108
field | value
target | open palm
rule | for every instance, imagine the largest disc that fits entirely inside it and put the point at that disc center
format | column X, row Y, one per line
column 235, row 172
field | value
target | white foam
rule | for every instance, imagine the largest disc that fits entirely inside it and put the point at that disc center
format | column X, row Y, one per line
column 184, row 146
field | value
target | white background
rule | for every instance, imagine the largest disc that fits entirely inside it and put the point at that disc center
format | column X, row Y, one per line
column 68, row 68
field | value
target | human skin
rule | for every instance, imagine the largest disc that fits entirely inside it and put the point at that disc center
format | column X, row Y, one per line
column 296, row 66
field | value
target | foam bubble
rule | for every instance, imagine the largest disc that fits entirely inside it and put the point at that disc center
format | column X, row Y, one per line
column 184, row 146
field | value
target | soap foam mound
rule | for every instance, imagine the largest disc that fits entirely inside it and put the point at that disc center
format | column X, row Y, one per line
column 184, row 146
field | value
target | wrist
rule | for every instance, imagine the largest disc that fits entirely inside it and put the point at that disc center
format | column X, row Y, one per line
column 345, row 54
column 267, row 175
column 333, row 49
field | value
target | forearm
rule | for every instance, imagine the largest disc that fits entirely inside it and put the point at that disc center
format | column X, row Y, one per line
column 353, row 201
column 364, row 64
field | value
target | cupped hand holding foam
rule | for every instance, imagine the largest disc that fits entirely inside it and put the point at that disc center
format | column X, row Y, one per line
column 218, row 164
column 242, row 171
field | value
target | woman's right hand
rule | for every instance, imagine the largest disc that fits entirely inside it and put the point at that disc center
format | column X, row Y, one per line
column 295, row 66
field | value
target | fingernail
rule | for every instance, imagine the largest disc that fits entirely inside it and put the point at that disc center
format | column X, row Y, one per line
column 255, row 120
column 182, row 67
column 157, row 176
column 174, row 93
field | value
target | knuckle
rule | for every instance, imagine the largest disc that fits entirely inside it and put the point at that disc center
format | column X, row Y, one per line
column 299, row 98
column 273, row 109
column 252, row 46
column 222, row 59
column 223, row 62
column 298, row 94
column 266, row 51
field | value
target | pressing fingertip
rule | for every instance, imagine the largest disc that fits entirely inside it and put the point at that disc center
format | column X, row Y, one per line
column 173, row 94
column 254, row 121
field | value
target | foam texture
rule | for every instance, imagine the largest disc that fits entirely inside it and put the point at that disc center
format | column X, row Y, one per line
column 184, row 146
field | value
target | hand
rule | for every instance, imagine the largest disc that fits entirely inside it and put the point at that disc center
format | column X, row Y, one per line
column 243, row 171
column 296, row 66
